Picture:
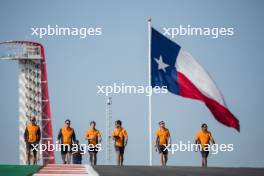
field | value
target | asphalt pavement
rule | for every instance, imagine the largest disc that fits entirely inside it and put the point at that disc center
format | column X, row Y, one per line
column 176, row 171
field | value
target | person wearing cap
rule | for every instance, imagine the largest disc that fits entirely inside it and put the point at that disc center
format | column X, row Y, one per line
column 163, row 140
column 204, row 137
column 94, row 138
column 32, row 137
column 120, row 137
column 66, row 138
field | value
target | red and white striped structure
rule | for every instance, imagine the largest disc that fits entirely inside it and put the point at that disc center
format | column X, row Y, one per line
column 33, row 92
column 66, row 169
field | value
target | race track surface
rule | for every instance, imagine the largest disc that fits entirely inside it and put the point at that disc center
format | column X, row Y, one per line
column 176, row 171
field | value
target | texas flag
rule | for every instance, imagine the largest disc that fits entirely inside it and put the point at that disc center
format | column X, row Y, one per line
column 175, row 68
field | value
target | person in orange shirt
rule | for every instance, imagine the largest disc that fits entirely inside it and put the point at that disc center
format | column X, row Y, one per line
column 120, row 137
column 204, row 137
column 32, row 138
column 94, row 137
column 66, row 138
column 163, row 140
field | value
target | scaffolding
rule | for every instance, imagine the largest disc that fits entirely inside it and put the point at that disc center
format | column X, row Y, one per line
column 108, row 130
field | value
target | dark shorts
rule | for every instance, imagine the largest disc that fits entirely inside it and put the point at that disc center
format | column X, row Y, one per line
column 162, row 149
column 205, row 153
column 93, row 150
column 121, row 150
column 30, row 148
column 66, row 149
column 77, row 159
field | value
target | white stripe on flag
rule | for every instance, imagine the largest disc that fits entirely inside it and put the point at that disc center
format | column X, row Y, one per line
column 188, row 66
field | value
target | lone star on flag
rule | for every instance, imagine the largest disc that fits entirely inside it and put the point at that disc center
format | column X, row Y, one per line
column 162, row 65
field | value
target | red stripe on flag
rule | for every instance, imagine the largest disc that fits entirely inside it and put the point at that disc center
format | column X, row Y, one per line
column 221, row 113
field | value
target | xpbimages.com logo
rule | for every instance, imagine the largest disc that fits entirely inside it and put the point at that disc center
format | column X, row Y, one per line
column 83, row 148
column 79, row 32
column 191, row 147
column 130, row 89
column 188, row 30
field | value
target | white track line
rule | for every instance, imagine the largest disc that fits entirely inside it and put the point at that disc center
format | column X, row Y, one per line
column 91, row 171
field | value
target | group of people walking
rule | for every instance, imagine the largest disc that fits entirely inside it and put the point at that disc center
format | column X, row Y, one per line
column 67, row 137
column 163, row 141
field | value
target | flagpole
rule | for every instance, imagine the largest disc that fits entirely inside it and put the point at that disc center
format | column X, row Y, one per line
column 149, row 97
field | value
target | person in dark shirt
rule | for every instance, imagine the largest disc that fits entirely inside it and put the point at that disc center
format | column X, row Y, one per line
column 77, row 153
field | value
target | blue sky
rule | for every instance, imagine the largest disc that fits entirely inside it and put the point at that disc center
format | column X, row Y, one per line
column 76, row 66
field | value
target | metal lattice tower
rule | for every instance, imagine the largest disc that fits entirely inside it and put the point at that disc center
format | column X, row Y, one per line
column 33, row 92
column 108, row 129
column 29, row 98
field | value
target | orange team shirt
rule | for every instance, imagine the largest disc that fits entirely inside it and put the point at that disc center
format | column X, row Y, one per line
column 32, row 132
column 203, row 137
column 122, row 134
column 93, row 135
column 163, row 135
column 67, row 135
